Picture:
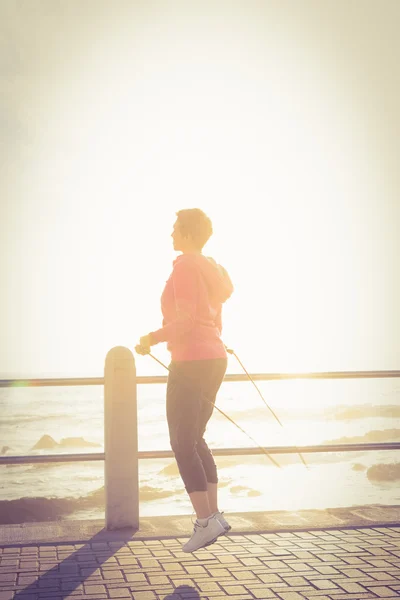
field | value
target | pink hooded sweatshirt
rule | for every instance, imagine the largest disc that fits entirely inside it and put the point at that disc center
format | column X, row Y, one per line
column 191, row 305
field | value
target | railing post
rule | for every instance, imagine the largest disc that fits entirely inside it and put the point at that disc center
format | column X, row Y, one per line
column 121, row 470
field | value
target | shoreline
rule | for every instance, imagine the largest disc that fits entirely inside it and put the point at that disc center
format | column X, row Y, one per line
column 165, row 494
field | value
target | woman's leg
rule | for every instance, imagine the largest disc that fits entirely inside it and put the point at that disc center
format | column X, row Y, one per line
column 213, row 378
column 200, row 504
column 212, row 493
column 183, row 416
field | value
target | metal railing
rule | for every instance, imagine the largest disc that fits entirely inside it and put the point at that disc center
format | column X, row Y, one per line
column 121, row 453
column 76, row 381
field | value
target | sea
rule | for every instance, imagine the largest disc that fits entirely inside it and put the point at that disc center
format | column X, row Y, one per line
column 312, row 411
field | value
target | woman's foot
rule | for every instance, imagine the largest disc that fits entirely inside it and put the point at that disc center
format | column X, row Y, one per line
column 223, row 521
column 204, row 535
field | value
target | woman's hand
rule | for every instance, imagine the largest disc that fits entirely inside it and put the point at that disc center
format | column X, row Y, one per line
column 144, row 345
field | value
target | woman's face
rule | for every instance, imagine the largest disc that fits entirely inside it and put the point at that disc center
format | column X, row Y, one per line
column 181, row 242
column 177, row 238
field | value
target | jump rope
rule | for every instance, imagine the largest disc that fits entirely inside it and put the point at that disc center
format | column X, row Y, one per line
column 145, row 351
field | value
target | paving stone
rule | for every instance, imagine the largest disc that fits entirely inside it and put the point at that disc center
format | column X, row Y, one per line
column 94, row 589
column 158, row 579
column 382, row 576
column 303, row 554
column 280, row 552
column 237, row 589
column 228, row 559
column 384, row 592
column 277, row 565
column 270, row 578
column 353, row 573
column 251, row 561
column 261, row 592
column 351, row 587
column 7, row 577
column 317, row 596
column 326, row 570
column 246, row 574
column 348, row 596
column 112, row 575
column 119, row 593
column 378, row 563
column 208, row 586
column 323, row 584
column 195, row 569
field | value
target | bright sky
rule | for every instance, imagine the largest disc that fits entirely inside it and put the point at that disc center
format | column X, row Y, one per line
column 279, row 119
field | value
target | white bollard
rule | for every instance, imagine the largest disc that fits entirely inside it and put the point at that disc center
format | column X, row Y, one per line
column 121, row 469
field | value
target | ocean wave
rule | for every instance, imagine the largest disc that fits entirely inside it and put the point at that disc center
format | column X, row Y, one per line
column 384, row 472
column 376, row 435
column 240, row 489
column 21, row 419
column 341, row 412
column 366, row 411
column 24, row 510
column 391, row 392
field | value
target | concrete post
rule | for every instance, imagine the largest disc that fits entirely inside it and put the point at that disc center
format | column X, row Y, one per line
column 121, row 469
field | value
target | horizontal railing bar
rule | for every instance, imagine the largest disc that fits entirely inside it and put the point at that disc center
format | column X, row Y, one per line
column 56, row 382
column 94, row 456
column 281, row 450
column 147, row 379
column 51, row 458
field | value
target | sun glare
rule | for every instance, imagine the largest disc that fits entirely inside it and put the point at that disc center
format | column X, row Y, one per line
column 249, row 128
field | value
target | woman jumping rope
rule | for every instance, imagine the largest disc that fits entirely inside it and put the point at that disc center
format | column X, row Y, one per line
column 191, row 305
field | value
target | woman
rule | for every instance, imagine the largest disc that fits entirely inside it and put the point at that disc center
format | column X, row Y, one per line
column 191, row 306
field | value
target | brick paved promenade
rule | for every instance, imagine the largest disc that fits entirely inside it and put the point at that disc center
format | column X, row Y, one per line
column 334, row 564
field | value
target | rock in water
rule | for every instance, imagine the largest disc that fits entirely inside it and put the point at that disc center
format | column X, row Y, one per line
column 238, row 488
column 78, row 441
column 171, row 470
column 358, row 467
column 45, row 442
column 384, row 472
column 252, row 493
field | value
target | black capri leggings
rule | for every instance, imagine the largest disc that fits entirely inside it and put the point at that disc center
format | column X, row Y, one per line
column 191, row 392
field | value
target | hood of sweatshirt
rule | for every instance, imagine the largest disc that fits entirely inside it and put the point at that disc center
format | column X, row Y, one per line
column 216, row 278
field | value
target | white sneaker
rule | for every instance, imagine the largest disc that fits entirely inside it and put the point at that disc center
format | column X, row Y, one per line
column 204, row 535
column 223, row 521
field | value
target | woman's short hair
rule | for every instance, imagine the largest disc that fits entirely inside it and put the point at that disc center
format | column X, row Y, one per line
column 194, row 222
